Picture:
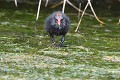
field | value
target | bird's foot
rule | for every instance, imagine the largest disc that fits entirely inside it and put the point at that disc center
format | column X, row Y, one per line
column 59, row 46
column 53, row 44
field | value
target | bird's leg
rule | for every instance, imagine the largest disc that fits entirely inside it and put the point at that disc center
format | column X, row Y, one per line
column 52, row 39
column 62, row 40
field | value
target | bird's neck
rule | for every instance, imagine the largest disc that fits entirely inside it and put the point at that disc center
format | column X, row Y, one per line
column 57, row 26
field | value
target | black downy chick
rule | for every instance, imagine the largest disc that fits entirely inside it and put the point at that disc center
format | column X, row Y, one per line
column 57, row 24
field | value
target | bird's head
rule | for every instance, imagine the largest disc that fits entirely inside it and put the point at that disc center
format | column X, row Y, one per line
column 58, row 18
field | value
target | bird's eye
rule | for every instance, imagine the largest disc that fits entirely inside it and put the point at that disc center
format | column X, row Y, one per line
column 56, row 20
column 61, row 20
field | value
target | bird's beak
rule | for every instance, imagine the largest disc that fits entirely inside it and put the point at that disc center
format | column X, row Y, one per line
column 58, row 22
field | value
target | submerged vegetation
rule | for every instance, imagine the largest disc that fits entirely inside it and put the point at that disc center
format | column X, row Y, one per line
column 26, row 52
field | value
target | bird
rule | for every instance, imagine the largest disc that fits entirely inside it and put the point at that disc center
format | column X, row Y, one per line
column 57, row 24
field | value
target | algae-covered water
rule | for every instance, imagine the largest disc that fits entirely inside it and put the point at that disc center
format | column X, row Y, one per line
column 26, row 53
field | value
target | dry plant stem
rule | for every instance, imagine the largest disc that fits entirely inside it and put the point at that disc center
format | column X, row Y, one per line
column 38, row 10
column 72, row 6
column 16, row 3
column 81, row 17
column 119, row 22
column 89, row 3
column 94, row 13
column 57, row 4
column 64, row 6
column 79, row 11
column 46, row 3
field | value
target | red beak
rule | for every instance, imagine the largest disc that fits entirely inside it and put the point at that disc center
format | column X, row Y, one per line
column 58, row 22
